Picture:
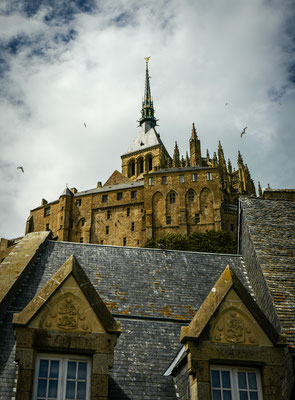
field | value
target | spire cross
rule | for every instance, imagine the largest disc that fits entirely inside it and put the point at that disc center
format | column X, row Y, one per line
column 147, row 59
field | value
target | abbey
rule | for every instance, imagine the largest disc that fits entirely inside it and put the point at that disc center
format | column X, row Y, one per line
column 154, row 194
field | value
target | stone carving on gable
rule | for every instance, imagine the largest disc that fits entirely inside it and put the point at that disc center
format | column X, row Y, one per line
column 67, row 314
column 233, row 326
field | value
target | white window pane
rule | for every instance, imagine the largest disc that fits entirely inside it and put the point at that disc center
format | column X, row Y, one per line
column 81, row 391
column 242, row 380
column 43, row 369
column 42, row 385
column 216, row 394
column 52, row 390
column 72, row 365
column 252, row 380
column 215, row 379
column 54, row 368
column 227, row 395
column 243, row 395
column 70, row 392
column 225, row 379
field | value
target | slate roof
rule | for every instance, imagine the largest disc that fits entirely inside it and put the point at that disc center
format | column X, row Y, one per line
column 271, row 224
column 152, row 292
column 146, row 137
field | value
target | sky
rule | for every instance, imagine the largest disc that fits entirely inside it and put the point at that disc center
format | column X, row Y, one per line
column 222, row 64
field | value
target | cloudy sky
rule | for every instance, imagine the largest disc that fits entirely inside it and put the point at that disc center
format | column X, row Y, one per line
column 63, row 63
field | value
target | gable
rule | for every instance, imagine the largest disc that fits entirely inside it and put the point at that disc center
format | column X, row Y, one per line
column 116, row 178
column 68, row 302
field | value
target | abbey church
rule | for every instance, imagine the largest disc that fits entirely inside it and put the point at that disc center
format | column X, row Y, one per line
column 154, row 194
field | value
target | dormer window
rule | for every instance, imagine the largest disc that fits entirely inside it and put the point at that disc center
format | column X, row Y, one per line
column 46, row 211
column 62, row 377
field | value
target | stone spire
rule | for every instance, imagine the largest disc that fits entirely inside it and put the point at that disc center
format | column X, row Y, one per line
column 195, row 149
column 229, row 167
column 147, row 111
column 176, row 159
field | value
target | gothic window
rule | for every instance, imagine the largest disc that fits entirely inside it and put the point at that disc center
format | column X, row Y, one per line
column 119, row 195
column 104, row 198
column 164, row 180
column 181, row 178
column 172, row 198
column 62, row 377
column 209, row 176
column 78, row 202
column 191, row 196
column 235, row 383
column 140, row 165
column 132, row 168
column 150, row 163
column 46, row 211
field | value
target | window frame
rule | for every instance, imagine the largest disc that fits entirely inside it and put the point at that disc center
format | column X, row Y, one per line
column 78, row 202
column 164, row 180
column 195, row 177
column 151, row 181
column 46, row 211
column 119, row 195
column 104, row 198
column 181, row 178
column 133, row 194
column 62, row 373
column 233, row 370
column 209, row 176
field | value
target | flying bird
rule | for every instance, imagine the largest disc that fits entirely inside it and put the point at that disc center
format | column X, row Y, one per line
column 243, row 131
column 21, row 168
column 85, row 124
column 226, row 104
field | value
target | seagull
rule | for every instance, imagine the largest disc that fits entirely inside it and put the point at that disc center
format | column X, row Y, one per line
column 226, row 104
column 243, row 131
column 85, row 124
column 21, row 168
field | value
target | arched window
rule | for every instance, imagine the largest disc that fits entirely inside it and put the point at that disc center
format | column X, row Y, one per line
column 150, row 163
column 191, row 196
column 172, row 198
column 140, row 166
column 131, row 168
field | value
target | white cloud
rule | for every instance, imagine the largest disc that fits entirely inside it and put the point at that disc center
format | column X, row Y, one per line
column 203, row 56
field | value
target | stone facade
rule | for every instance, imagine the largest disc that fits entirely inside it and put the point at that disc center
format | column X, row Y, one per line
column 155, row 194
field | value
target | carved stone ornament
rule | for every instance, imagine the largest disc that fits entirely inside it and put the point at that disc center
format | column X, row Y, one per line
column 233, row 326
column 66, row 314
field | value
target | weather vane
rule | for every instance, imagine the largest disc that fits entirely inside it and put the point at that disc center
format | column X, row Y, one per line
column 147, row 59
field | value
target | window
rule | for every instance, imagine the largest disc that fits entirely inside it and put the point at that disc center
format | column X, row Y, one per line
column 181, row 178
column 209, row 176
column 46, row 211
column 62, row 377
column 109, row 214
column 60, row 226
column 104, row 198
column 82, row 222
column 133, row 194
column 151, row 181
column 197, row 218
column 168, row 220
column 191, row 196
column 101, row 242
column 132, row 168
column 107, row 230
column 150, row 163
column 194, row 177
column 172, row 198
column 124, row 241
column 78, row 202
column 235, row 383
column 119, row 196
column 164, row 180
column 47, row 227
column 140, row 165
column 132, row 226
column 81, row 240
column 128, row 212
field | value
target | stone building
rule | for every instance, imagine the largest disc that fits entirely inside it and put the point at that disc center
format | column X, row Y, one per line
column 96, row 322
column 153, row 195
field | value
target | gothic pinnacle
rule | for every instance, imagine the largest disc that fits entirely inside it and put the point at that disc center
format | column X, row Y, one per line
column 176, row 159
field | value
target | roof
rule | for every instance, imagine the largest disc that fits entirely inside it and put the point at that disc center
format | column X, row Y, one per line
column 181, row 170
column 146, row 138
column 271, row 225
column 174, row 283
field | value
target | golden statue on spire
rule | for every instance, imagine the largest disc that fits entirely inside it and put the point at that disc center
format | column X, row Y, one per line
column 147, row 59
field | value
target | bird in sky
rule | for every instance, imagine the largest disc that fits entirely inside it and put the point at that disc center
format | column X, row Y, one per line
column 243, row 131
column 21, row 168
column 226, row 104
column 85, row 124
